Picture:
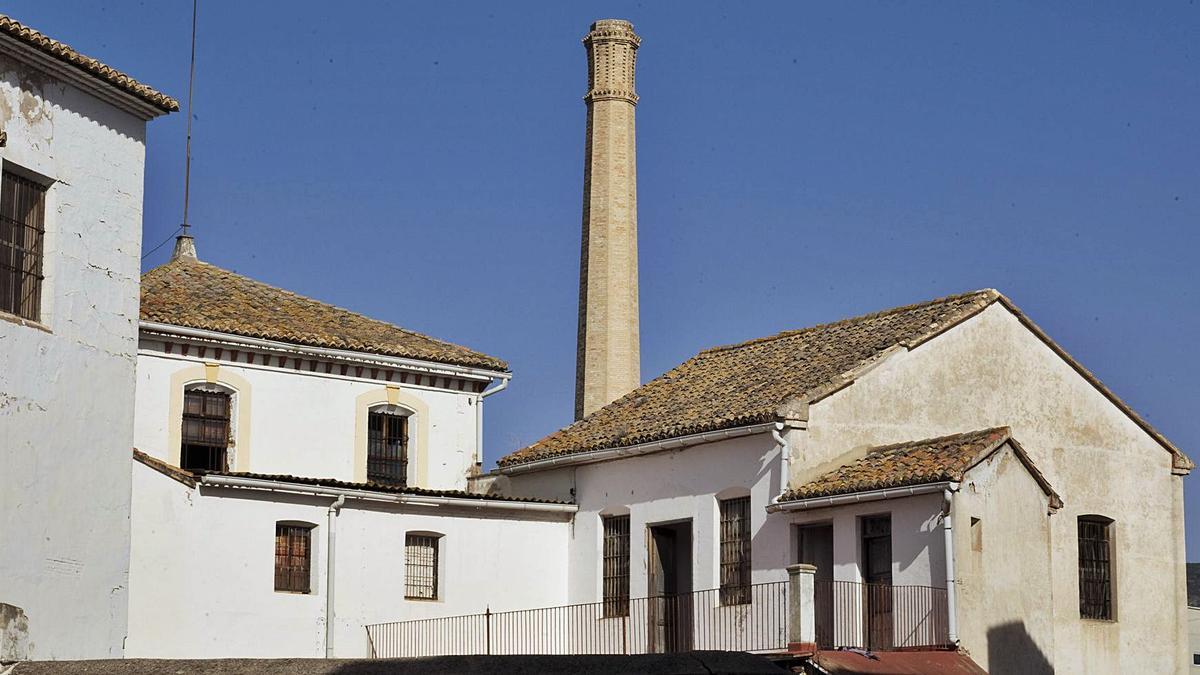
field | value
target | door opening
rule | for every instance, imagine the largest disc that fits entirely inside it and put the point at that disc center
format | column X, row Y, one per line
column 815, row 543
column 877, row 573
column 670, row 581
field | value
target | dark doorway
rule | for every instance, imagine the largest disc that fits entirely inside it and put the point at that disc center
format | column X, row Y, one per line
column 670, row 559
column 815, row 544
column 877, row 573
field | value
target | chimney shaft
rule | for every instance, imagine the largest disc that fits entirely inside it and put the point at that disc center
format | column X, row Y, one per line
column 608, row 358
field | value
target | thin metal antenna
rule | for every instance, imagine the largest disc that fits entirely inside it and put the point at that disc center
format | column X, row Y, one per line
column 187, row 167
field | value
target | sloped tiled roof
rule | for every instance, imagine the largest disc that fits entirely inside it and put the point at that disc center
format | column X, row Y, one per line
column 193, row 294
column 746, row 383
column 932, row 460
column 749, row 383
column 190, row 478
column 64, row 53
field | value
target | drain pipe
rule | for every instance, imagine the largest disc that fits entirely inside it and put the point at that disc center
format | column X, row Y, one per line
column 948, row 530
column 330, row 559
column 785, row 460
column 479, row 416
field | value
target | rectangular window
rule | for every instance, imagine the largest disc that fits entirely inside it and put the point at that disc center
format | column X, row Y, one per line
column 387, row 448
column 735, row 551
column 293, row 558
column 205, row 434
column 22, row 230
column 1095, row 569
column 616, row 566
column 421, row 566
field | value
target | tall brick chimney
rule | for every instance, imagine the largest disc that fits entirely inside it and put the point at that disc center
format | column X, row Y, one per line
column 608, row 361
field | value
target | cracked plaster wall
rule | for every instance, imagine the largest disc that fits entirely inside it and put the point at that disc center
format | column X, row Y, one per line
column 66, row 388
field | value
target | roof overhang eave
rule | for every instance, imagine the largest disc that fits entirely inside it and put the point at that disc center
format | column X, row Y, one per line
column 620, row 452
column 106, row 91
column 237, row 482
column 864, row 496
column 437, row 367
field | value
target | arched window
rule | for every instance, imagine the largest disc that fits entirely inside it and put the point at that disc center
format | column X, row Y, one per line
column 387, row 445
column 1095, row 568
column 207, row 428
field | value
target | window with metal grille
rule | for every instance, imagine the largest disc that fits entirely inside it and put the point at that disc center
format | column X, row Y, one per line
column 421, row 566
column 293, row 558
column 387, row 448
column 205, row 435
column 616, row 566
column 735, row 551
column 22, row 230
column 1095, row 568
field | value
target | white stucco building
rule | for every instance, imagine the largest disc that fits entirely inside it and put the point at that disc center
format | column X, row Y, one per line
column 947, row 445
column 72, row 148
column 294, row 462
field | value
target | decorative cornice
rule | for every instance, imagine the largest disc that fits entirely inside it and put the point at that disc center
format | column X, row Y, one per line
column 610, row 95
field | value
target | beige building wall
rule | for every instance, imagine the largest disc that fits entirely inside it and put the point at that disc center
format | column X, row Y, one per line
column 992, row 371
column 608, row 358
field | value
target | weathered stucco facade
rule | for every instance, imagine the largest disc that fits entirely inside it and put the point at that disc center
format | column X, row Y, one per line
column 67, row 380
column 1016, row 554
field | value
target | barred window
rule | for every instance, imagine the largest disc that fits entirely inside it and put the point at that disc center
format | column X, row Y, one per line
column 616, row 566
column 205, row 435
column 387, row 448
column 421, row 566
column 22, row 230
column 293, row 558
column 1095, row 568
column 735, row 551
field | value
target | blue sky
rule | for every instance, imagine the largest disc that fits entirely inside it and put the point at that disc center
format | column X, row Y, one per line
column 798, row 163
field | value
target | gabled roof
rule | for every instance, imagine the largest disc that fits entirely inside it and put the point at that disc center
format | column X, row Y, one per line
column 191, row 478
column 746, row 383
column 193, row 294
column 933, row 460
column 28, row 36
column 759, row 380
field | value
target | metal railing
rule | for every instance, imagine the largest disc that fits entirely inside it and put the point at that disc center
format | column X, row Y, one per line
column 682, row 622
column 880, row 616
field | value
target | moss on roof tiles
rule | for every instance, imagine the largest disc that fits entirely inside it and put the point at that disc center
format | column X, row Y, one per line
column 192, row 294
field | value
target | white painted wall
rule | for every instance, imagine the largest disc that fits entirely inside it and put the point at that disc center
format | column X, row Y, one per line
column 303, row 423
column 66, row 392
column 992, row 371
column 202, row 579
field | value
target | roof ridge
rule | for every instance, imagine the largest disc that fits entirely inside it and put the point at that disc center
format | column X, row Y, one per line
column 991, row 292
column 192, row 261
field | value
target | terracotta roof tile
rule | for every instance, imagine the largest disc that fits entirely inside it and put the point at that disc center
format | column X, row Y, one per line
column 374, row 487
column 747, row 383
column 933, row 460
column 190, row 478
column 64, row 53
column 193, row 294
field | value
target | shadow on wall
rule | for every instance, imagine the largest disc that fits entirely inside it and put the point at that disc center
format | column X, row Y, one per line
column 1012, row 650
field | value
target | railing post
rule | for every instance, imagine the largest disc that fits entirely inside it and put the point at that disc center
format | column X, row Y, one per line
column 802, row 633
column 487, row 619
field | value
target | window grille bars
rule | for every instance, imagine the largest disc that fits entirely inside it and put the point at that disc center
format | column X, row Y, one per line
column 420, row 567
column 22, row 233
column 735, row 551
column 387, row 448
column 616, row 566
column 293, row 556
column 205, row 434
